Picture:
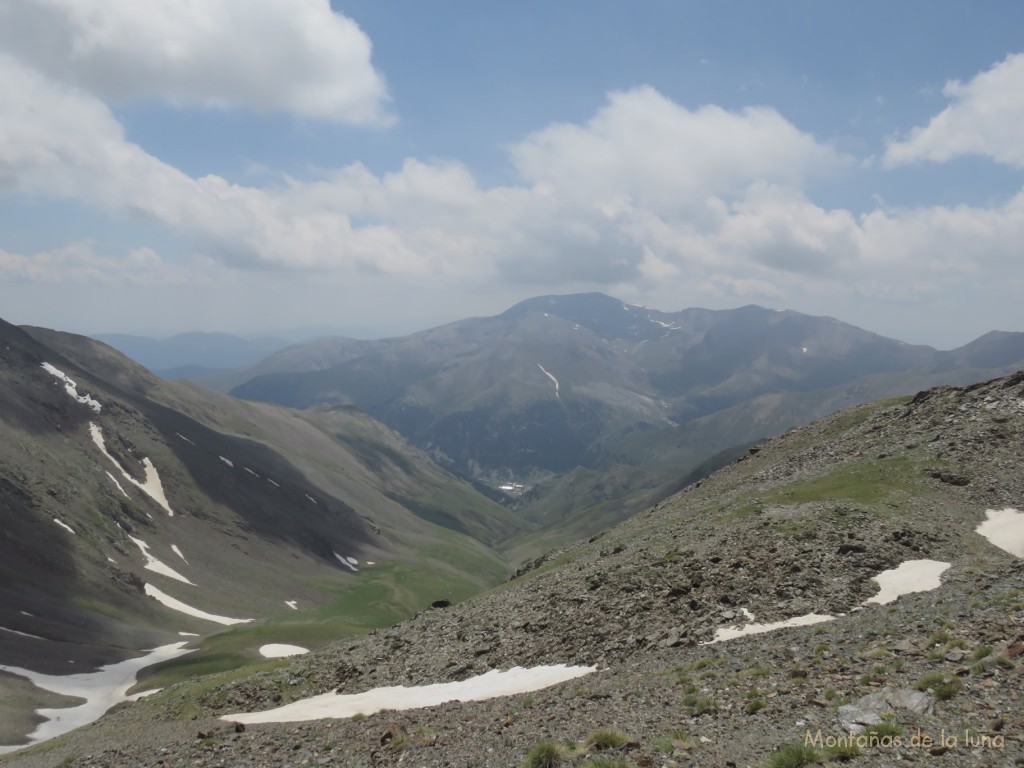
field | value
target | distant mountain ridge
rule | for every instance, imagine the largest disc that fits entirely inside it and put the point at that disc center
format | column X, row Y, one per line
column 214, row 351
column 557, row 383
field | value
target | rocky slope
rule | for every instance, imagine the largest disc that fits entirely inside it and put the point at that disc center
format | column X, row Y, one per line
column 121, row 493
column 800, row 525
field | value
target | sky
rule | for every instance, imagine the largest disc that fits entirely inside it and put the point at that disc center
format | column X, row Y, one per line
column 375, row 168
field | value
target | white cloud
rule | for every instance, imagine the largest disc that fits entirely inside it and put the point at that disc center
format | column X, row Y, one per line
column 295, row 56
column 656, row 154
column 696, row 198
column 79, row 263
column 984, row 118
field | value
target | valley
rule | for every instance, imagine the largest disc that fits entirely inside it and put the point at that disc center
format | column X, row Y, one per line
column 277, row 557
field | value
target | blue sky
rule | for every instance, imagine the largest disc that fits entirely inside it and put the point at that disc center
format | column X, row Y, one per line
column 381, row 167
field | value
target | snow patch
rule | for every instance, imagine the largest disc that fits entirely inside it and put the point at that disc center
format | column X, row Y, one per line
column 72, row 388
column 552, row 378
column 345, row 561
column 188, row 634
column 177, row 605
column 23, row 634
column 101, row 690
column 730, row 633
column 273, row 483
column 157, row 566
column 292, row 604
column 281, row 650
column 144, row 694
column 185, row 438
column 250, row 471
column 311, row 498
column 229, row 462
column 907, row 577
column 64, row 525
column 487, row 686
column 175, row 550
column 1004, row 528
column 152, row 486
column 119, row 486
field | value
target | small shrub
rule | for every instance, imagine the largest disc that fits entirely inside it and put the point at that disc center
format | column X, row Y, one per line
column 754, row 705
column 545, row 754
column 942, row 687
column 882, row 730
column 607, row 739
column 981, row 652
column 700, row 705
column 793, row 756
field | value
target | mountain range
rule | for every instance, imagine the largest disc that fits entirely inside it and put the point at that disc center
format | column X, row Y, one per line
column 590, row 408
column 773, row 613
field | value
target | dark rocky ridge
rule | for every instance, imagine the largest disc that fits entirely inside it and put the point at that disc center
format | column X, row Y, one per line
column 799, row 525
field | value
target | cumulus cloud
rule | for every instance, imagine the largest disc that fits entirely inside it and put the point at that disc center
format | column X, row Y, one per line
column 984, row 118
column 646, row 193
column 656, row 154
column 296, row 56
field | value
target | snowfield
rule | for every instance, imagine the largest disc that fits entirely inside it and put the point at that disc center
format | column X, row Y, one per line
column 907, row 577
column 1005, row 529
column 152, row 486
column 101, row 690
column 490, row 685
column 177, row 605
column 72, row 388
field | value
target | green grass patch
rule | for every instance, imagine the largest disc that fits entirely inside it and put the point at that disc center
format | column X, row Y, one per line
column 793, row 756
column 545, row 754
column 606, row 738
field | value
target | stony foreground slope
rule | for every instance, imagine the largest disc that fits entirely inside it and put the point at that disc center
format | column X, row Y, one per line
column 801, row 525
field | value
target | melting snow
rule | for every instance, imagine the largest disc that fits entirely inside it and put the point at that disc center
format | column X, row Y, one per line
column 487, row 686
column 152, row 486
column 119, row 486
column 280, row 650
column 177, row 605
column 1005, row 529
column 175, row 550
column 552, row 378
column 345, row 561
column 670, row 326
column 72, row 388
column 152, row 564
column 910, row 576
column 730, row 633
column 101, row 690
column 63, row 525
column 292, row 604
column 907, row 577
column 23, row 634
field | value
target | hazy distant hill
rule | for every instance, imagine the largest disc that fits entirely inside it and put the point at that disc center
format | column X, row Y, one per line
column 584, row 388
column 214, row 351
